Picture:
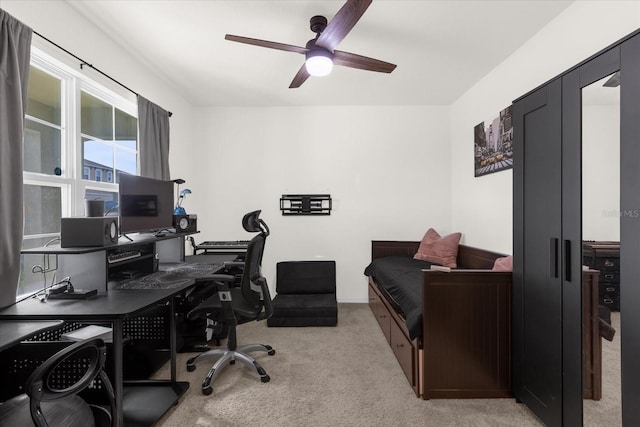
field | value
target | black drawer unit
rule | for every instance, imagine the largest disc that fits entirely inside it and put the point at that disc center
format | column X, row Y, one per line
column 604, row 256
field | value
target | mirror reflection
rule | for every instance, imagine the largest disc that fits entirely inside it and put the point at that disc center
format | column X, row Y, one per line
column 601, row 252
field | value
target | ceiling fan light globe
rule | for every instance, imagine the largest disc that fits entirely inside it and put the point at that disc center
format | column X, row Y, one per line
column 319, row 65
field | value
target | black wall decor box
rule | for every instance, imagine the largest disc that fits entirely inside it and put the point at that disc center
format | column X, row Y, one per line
column 305, row 204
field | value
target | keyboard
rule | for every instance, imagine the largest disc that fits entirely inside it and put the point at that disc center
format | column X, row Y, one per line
column 122, row 256
column 223, row 245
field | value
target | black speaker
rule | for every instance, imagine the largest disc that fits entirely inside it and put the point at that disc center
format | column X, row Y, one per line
column 88, row 231
column 185, row 223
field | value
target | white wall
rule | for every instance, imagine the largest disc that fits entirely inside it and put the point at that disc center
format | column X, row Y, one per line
column 482, row 207
column 60, row 23
column 601, row 171
column 386, row 168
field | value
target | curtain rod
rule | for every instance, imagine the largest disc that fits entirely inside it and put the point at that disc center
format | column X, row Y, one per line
column 83, row 63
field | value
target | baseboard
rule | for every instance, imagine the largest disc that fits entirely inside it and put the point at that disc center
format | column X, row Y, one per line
column 353, row 300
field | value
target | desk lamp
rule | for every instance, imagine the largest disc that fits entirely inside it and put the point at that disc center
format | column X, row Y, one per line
column 179, row 210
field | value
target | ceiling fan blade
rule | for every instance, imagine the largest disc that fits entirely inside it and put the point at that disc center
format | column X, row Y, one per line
column 614, row 80
column 300, row 77
column 342, row 23
column 352, row 60
column 265, row 43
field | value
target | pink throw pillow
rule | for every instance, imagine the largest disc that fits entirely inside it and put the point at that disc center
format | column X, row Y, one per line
column 503, row 264
column 440, row 250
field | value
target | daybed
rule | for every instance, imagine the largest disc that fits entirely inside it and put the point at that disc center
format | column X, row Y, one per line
column 450, row 331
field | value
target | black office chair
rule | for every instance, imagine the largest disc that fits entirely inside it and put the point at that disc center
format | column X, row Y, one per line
column 50, row 401
column 248, row 302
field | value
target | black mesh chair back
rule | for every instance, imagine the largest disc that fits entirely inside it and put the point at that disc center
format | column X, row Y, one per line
column 253, row 284
column 49, row 400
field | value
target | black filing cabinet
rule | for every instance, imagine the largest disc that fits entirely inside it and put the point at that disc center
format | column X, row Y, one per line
column 604, row 256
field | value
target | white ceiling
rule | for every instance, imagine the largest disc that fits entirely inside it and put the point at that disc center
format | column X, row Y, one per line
column 442, row 48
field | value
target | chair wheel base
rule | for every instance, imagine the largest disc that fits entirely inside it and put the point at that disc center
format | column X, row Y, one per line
column 191, row 368
column 265, row 378
column 271, row 352
column 207, row 390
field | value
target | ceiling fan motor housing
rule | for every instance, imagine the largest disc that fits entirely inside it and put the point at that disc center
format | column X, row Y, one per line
column 318, row 24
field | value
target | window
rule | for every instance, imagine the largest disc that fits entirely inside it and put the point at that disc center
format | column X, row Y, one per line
column 78, row 135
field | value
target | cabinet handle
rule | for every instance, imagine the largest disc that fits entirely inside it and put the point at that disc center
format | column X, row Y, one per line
column 608, row 301
column 608, row 276
column 553, row 257
column 608, row 263
column 610, row 289
column 567, row 260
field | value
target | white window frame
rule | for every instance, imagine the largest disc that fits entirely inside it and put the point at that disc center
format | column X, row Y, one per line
column 71, row 181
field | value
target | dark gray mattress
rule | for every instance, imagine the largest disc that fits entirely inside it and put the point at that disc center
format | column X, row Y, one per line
column 401, row 278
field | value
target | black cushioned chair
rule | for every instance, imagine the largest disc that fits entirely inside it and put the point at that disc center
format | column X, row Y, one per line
column 240, row 304
column 306, row 294
column 49, row 399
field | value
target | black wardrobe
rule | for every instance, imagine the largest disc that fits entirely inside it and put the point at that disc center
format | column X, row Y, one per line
column 547, row 209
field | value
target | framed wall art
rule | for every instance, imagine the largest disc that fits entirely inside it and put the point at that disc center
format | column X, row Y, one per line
column 493, row 144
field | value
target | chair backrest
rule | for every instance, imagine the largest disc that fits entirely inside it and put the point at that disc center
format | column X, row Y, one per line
column 42, row 385
column 253, row 285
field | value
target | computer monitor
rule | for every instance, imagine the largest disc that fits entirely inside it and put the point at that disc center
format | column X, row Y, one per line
column 145, row 204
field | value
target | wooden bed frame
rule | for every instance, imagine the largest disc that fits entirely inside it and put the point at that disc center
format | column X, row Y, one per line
column 465, row 347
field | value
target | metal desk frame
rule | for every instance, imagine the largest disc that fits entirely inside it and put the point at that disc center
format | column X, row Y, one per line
column 113, row 307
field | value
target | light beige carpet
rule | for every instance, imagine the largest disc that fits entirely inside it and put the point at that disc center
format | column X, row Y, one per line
column 325, row 376
column 608, row 410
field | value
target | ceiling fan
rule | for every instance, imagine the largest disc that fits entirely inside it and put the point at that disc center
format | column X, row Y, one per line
column 320, row 53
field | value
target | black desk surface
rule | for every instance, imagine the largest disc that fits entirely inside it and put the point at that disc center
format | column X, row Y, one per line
column 113, row 304
column 14, row 331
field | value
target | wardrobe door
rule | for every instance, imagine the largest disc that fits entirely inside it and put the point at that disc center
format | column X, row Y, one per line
column 630, row 230
column 588, row 158
column 538, row 245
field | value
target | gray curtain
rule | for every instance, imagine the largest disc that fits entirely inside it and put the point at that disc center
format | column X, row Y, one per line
column 15, row 52
column 153, row 123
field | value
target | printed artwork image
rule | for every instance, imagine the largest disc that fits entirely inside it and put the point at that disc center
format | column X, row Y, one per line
column 494, row 144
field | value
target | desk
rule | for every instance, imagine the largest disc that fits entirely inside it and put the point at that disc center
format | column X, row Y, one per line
column 137, row 403
column 14, row 331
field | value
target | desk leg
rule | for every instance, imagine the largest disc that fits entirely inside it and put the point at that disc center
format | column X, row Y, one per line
column 172, row 338
column 118, row 375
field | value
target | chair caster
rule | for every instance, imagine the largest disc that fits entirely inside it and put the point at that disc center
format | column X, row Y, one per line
column 207, row 390
column 232, row 362
column 265, row 378
column 190, row 365
column 271, row 352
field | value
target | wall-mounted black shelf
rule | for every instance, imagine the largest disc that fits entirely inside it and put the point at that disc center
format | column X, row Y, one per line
column 305, row 204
